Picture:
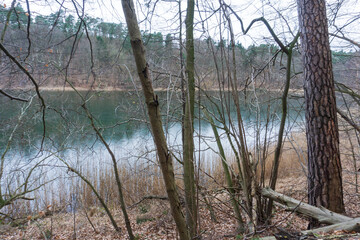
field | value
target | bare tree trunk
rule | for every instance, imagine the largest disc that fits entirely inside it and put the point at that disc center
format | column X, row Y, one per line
column 246, row 166
column 188, row 147
column 324, row 182
column 152, row 103
column 276, row 163
column 231, row 190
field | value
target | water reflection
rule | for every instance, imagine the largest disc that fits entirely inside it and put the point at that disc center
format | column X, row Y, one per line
column 121, row 118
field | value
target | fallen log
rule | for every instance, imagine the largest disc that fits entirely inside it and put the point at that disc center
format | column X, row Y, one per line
column 349, row 226
column 336, row 236
column 339, row 222
column 322, row 214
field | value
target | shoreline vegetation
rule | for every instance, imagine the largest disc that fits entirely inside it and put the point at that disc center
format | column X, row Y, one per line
column 149, row 211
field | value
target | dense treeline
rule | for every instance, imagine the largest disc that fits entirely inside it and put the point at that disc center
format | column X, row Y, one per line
column 90, row 52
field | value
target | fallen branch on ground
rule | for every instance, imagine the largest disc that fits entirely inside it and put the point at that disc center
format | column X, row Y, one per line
column 322, row 214
column 339, row 222
column 349, row 226
column 149, row 197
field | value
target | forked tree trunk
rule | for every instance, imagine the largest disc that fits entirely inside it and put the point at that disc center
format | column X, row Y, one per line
column 152, row 103
column 324, row 181
column 279, row 144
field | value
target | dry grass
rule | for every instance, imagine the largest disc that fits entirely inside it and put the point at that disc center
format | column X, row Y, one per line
column 151, row 219
column 293, row 157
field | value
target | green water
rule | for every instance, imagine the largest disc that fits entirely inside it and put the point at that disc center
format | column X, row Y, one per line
column 121, row 117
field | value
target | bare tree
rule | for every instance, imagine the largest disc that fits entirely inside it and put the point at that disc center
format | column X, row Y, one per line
column 152, row 103
column 189, row 172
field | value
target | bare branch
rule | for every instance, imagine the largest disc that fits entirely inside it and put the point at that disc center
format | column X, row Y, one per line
column 345, row 38
column 12, row 97
column 37, row 89
column 261, row 19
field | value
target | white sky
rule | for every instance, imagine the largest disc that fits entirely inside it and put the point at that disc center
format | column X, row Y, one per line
column 163, row 17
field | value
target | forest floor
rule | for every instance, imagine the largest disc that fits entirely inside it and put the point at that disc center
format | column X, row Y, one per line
column 151, row 219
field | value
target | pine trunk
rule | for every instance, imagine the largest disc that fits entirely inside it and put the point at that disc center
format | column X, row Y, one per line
column 324, row 180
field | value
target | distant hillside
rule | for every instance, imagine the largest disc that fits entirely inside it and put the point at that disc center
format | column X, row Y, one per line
column 96, row 53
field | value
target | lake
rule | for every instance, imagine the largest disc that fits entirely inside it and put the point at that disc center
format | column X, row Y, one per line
column 122, row 119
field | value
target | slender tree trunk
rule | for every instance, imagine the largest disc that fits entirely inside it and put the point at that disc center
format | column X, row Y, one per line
column 188, row 147
column 246, row 166
column 152, row 103
column 230, row 185
column 324, row 181
column 183, row 94
column 278, row 150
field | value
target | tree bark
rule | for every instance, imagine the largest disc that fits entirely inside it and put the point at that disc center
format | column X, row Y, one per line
column 188, row 147
column 324, row 180
column 152, row 103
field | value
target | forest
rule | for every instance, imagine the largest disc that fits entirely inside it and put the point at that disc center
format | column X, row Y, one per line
column 179, row 119
column 52, row 46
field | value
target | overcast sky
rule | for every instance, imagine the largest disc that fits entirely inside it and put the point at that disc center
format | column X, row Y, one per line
column 163, row 16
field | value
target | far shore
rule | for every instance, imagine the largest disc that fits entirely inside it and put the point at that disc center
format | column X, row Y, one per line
column 114, row 89
column 67, row 89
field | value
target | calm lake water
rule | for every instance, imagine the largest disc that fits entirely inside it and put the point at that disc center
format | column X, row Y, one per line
column 121, row 117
